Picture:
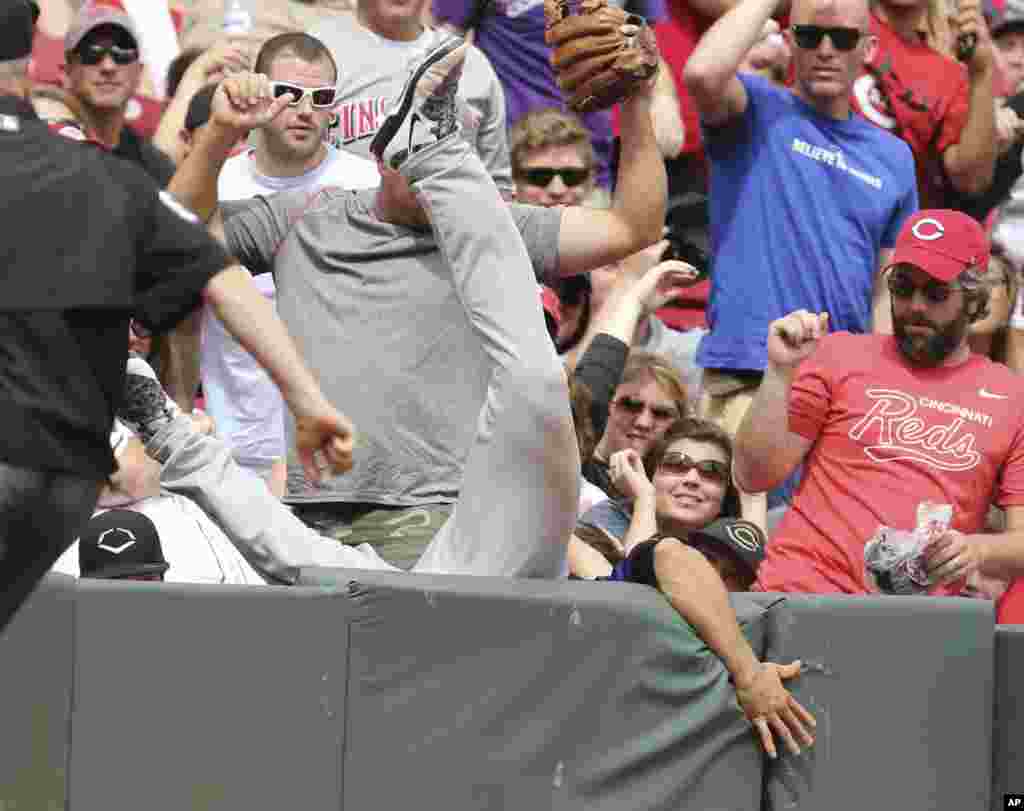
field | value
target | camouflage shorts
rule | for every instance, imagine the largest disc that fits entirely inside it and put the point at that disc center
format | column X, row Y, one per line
column 399, row 534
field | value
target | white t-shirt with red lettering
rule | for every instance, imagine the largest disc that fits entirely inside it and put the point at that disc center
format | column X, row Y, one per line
column 246, row 406
column 887, row 436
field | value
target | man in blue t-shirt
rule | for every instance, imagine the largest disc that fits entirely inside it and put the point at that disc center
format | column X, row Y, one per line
column 806, row 196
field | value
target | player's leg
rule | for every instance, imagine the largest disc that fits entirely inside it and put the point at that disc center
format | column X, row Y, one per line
column 520, row 491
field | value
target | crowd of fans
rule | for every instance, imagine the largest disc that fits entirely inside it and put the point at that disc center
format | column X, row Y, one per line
column 795, row 169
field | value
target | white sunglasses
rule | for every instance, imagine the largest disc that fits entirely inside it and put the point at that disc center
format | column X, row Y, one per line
column 322, row 97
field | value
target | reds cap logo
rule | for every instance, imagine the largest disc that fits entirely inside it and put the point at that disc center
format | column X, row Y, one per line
column 745, row 535
column 928, row 229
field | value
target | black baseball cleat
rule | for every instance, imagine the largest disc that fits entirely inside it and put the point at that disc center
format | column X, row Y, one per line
column 426, row 106
column 146, row 408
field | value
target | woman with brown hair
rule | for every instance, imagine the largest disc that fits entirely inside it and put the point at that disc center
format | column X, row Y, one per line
column 682, row 485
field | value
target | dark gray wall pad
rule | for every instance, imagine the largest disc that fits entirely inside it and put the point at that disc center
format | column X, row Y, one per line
column 365, row 691
column 1008, row 738
column 902, row 689
column 36, row 659
column 212, row 698
column 483, row 693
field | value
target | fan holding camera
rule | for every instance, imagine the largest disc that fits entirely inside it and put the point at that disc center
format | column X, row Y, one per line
column 625, row 298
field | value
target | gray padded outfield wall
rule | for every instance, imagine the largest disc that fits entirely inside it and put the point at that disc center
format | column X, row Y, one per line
column 1008, row 741
column 369, row 691
column 522, row 695
column 36, row 663
column 902, row 690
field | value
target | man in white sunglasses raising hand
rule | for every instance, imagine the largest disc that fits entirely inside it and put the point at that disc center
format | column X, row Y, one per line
column 287, row 153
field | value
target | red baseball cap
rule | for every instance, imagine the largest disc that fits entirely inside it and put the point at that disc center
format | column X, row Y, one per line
column 941, row 242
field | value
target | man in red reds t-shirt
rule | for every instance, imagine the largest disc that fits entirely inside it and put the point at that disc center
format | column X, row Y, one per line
column 943, row 111
column 884, row 422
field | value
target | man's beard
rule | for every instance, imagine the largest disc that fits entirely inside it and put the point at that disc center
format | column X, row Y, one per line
column 933, row 349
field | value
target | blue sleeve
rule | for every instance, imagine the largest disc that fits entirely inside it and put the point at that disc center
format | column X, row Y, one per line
column 908, row 203
column 719, row 141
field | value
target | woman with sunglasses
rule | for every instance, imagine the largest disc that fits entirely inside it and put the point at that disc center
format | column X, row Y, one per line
column 683, row 484
column 681, row 489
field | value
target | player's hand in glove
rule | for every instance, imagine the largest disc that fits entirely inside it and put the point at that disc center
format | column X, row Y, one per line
column 600, row 53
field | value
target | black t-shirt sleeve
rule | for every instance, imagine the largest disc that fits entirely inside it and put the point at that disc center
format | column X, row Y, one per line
column 600, row 369
column 176, row 258
column 157, row 164
column 640, row 563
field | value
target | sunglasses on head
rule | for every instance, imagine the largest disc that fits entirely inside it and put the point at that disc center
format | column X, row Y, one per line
column 679, row 464
column 94, row 53
column 321, row 97
column 635, row 407
column 543, row 176
column 934, row 292
column 809, row 37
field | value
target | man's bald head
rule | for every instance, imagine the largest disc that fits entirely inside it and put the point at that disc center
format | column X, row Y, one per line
column 851, row 13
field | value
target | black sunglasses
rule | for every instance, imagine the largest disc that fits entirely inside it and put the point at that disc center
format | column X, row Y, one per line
column 94, row 53
column 543, row 176
column 634, row 407
column 900, row 286
column 809, row 37
column 679, row 464
column 320, row 96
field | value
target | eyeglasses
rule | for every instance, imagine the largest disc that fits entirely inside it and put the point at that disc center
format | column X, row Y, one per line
column 809, row 37
column 934, row 292
column 636, row 407
column 94, row 53
column 679, row 464
column 541, row 176
column 321, row 96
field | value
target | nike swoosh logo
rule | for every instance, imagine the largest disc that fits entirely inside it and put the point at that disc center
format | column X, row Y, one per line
column 989, row 395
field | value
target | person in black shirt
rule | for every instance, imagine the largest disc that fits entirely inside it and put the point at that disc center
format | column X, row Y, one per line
column 88, row 243
column 103, row 70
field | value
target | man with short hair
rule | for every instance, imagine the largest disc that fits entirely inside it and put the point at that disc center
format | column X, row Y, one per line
column 374, row 48
column 362, row 281
column 102, row 71
column 552, row 158
column 129, row 250
column 886, row 423
column 806, row 196
column 288, row 153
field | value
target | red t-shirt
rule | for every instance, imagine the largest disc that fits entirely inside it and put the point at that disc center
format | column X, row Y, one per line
column 886, row 437
column 920, row 95
column 1010, row 607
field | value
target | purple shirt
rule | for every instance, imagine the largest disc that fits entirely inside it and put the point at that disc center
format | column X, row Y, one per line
column 511, row 34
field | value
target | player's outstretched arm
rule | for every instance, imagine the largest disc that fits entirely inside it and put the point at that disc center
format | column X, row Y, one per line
column 592, row 237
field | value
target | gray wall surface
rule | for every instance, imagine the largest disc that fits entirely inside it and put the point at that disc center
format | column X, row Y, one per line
column 365, row 690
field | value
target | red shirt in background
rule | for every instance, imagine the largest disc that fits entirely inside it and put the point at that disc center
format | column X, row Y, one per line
column 1010, row 607
column 920, row 95
column 677, row 36
column 888, row 436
